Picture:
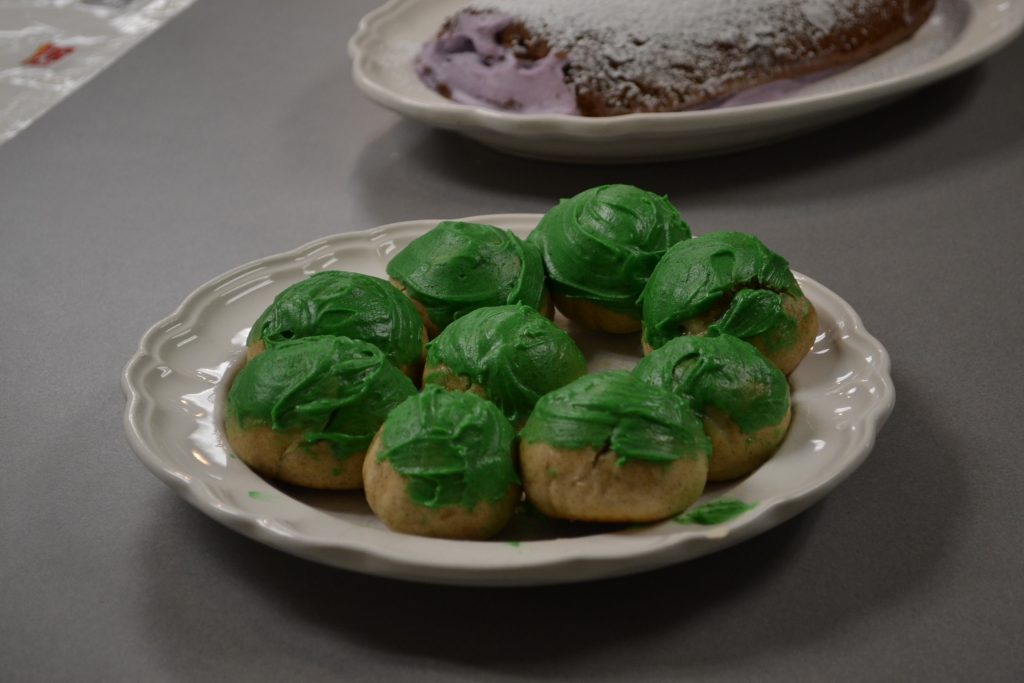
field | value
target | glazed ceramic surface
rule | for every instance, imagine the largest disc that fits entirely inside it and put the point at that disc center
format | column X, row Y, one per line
column 177, row 382
column 959, row 34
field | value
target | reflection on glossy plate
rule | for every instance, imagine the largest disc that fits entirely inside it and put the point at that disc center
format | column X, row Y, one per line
column 175, row 385
column 959, row 34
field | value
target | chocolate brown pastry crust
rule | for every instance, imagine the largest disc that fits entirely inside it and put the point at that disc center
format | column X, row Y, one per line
column 673, row 55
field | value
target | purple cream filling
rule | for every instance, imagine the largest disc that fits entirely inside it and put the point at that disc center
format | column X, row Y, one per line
column 476, row 69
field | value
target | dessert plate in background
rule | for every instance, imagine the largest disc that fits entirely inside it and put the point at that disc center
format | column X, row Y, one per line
column 176, row 383
column 960, row 33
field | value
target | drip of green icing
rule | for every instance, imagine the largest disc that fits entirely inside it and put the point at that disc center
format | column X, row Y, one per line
column 345, row 304
column 715, row 512
column 333, row 389
column 698, row 274
column 720, row 372
column 603, row 243
column 758, row 313
column 459, row 267
column 261, row 495
column 513, row 352
column 454, row 448
column 616, row 410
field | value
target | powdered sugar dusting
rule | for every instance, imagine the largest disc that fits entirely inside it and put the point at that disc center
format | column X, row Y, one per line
column 821, row 13
column 679, row 21
column 662, row 54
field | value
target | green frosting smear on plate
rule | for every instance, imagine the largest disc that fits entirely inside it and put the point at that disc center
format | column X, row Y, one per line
column 345, row 304
column 715, row 512
column 331, row 389
column 720, row 372
column 454, row 448
column 602, row 244
column 696, row 275
column 458, row 267
column 615, row 410
column 513, row 352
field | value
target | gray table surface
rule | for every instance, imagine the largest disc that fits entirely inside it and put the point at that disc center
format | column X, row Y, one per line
column 236, row 132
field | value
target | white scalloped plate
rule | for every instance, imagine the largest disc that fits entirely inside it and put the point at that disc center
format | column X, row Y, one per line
column 958, row 35
column 842, row 393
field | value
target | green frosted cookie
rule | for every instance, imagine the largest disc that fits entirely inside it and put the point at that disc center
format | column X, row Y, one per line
column 729, row 283
column 458, row 267
column 344, row 304
column 610, row 448
column 305, row 410
column 512, row 355
column 442, row 465
column 600, row 248
column 743, row 399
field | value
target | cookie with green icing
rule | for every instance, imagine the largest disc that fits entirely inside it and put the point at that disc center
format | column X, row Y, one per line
column 343, row 304
column 729, row 283
column 442, row 465
column 743, row 399
column 610, row 448
column 511, row 355
column 305, row 410
column 599, row 249
column 459, row 267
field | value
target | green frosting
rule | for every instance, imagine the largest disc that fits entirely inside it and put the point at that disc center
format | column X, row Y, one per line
column 616, row 410
column 513, row 352
column 455, row 448
column 345, row 304
column 602, row 244
column 459, row 267
column 715, row 512
column 720, row 372
column 331, row 388
column 756, row 312
column 696, row 275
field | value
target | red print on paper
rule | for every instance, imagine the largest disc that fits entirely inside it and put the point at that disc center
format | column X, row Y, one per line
column 47, row 54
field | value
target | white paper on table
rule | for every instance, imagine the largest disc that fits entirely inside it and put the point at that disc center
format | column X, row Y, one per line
column 48, row 48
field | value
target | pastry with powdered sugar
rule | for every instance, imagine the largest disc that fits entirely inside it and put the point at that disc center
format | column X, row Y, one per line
column 602, row 58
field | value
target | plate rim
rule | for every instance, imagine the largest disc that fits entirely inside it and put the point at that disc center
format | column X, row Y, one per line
column 596, row 563
column 472, row 118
